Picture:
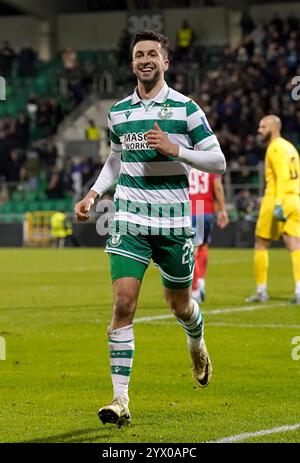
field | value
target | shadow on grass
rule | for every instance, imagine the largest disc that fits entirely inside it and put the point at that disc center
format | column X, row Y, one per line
column 81, row 435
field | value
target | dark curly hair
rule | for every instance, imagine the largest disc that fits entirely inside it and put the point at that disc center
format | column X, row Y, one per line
column 151, row 35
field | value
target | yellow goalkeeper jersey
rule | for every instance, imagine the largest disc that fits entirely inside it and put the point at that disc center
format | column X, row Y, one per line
column 282, row 169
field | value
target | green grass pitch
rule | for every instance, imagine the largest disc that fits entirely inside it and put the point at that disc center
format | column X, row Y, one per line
column 54, row 309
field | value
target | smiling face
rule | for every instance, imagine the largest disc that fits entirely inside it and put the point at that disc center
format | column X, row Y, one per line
column 149, row 62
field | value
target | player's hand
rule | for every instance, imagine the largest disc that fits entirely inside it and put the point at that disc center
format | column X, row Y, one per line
column 159, row 140
column 279, row 214
column 82, row 209
column 222, row 219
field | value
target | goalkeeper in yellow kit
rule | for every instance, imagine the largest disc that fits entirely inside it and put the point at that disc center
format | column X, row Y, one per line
column 279, row 212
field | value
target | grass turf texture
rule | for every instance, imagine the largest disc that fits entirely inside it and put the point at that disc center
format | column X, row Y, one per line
column 54, row 310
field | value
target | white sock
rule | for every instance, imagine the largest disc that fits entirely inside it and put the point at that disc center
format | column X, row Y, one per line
column 261, row 288
column 297, row 288
column 121, row 350
column 201, row 283
column 193, row 328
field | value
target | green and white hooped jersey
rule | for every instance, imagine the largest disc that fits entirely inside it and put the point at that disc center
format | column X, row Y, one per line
column 152, row 189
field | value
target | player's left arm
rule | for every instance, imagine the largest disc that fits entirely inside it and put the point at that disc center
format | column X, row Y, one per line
column 206, row 155
column 222, row 217
column 282, row 175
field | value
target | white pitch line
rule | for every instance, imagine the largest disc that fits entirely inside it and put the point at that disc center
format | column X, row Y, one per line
column 251, row 325
column 244, row 308
column 249, row 435
column 232, row 325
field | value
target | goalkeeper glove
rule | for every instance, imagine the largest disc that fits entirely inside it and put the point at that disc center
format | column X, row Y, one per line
column 279, row 214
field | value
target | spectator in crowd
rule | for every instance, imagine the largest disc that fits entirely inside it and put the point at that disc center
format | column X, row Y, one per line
column 69, row 58
column 92, row 132
column 30, row 170
column 14, row 165
column 252, row 79
column 22, row 129
column 7, row 57
column 26, row 62
column 55, row 186
column 246, row 23
column 123, row 49
column 185, row 38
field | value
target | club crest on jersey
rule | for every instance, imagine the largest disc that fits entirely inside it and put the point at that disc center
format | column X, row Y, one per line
column 116, row 240
column 165, row 112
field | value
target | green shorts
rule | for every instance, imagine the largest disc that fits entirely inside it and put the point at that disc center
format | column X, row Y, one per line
column 174, row 256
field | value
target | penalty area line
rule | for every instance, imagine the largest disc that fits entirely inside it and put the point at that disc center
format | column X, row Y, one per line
column 249, row 435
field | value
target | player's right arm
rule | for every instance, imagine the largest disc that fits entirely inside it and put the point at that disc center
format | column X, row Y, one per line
column 106, row 179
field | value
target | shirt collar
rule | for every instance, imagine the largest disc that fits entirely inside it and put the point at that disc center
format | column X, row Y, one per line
column 159, row 98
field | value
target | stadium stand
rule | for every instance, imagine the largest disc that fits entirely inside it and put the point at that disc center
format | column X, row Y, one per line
column 235, row 86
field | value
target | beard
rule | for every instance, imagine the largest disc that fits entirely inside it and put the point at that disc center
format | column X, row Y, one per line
column 266, row 138
column 148, row 81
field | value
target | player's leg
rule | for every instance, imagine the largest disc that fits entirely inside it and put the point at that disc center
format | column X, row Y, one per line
column 195, row 285
column 188, row 314
column 127, row 274
column 197, row 224
column 201, row 259
column 267, row 229
column 121, row 345
column 293, row 245
column 175, row 258
column 261, row 265
column 291, row 236
column 121, row 349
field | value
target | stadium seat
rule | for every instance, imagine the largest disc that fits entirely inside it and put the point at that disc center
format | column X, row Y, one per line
column 41, row 195
column 31, row 195
column 46, row 205
column 17, row 195
column 33, row 206
column 20, row 207
column 60, row 204
column 7, row 208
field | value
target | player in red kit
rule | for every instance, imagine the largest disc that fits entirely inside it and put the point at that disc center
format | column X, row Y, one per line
column 205, row 190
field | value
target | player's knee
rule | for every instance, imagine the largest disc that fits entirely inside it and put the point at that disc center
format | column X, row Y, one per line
column 261, row 244
column 125, row 304
column 179, row 305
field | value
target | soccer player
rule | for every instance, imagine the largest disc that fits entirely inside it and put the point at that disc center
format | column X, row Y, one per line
column 279, row 212
column 156, row 134
column 205, row 188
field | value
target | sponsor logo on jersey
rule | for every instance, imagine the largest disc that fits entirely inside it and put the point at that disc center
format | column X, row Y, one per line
column 127, row 114
column 134, row 141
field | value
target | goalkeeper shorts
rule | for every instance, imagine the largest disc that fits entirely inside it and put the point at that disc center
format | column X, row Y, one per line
column 269, row 228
